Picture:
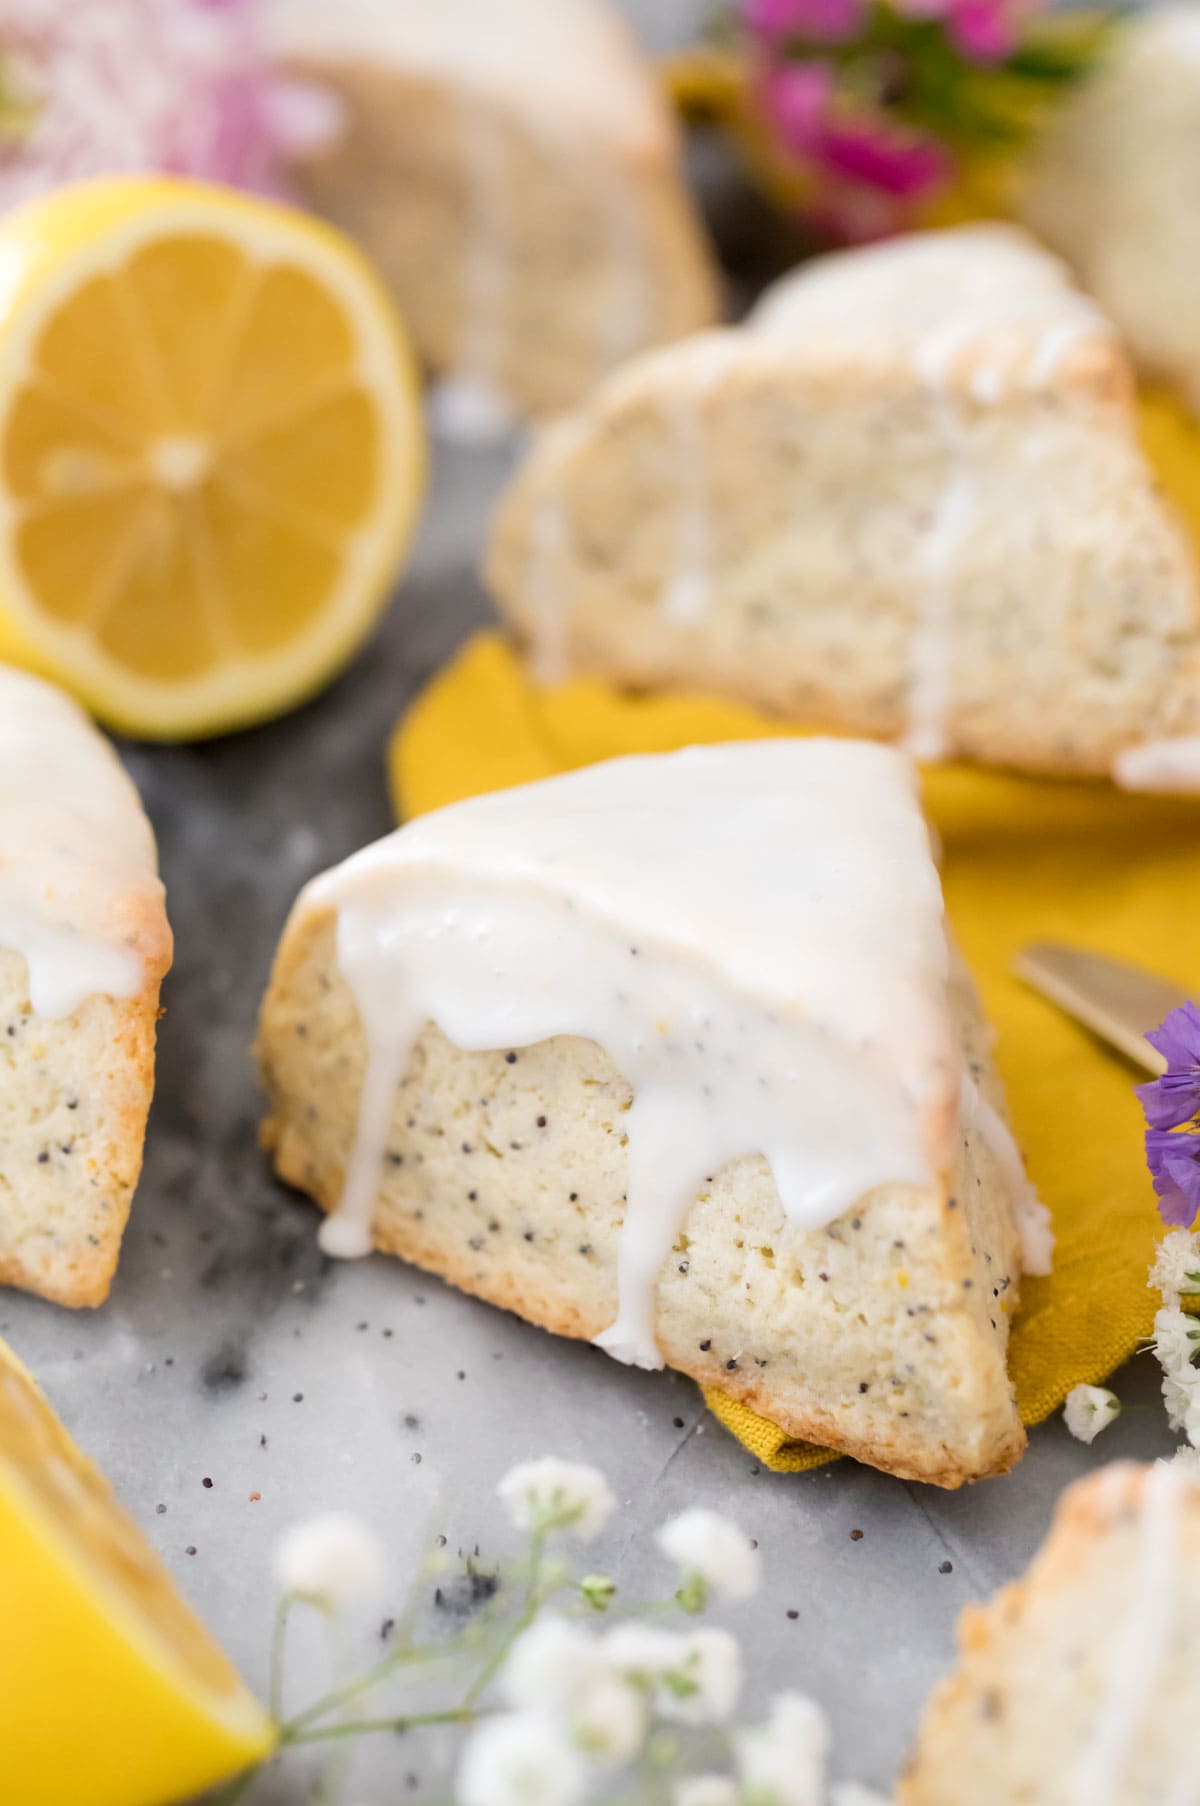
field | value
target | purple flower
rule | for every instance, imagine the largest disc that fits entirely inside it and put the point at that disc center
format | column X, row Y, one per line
column 1175, row 1097
column 1174, row 1162
column 830, row 21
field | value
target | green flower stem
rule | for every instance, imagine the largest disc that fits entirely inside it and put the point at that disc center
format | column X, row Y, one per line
column 278, row 1635
column 362, row 1727
column 535, row 1597
column 363, row 1683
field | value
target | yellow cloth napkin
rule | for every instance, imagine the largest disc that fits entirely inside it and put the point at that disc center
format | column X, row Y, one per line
column 1024, row 860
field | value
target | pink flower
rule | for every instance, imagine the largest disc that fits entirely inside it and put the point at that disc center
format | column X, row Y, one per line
column 986, row 31
column 796, row 97
column 182, row 86
column 903, row 164
column 831, row 21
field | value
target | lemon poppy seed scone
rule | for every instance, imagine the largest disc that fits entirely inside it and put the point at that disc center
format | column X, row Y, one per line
column 84, row 944
column 906, row 500
column 670, row 1054
column 1114, row 185
column 514, row 170
column 1080, row 1684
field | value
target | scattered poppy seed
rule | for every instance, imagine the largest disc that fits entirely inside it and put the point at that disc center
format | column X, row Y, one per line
column 160, row 1509
column 856, row 1536
column 206, row 1482
column 191, row 1549
column 297, row 1398
column 793, row 1614
column 947, row 1567
column 706, row 1345
column 511, row 1058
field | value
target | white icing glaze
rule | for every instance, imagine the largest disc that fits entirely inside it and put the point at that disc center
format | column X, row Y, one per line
column 1166, row 766
column 1033, row 1223
column 938, row 300
column 1141, row 1645
column 753, row 933
column 985, row 300
column 568, row 62
column 74, row 848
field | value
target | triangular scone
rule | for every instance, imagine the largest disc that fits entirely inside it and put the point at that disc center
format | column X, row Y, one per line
column 84, row 945
column 1080, row 1684
column 514, row 169
column 906, row 500
column 669, row 1053
column 1113, row 186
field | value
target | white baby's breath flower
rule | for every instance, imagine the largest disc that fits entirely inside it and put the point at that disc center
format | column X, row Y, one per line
column 782, row 1762
column 549, row 1664
column 702, row 1543
column 330, row 1561
column 559, row 1669
column 1188, row 1458
column 705, row 1790
column 1090, row 1409
column 550, row 1494
column 1176, row 1266
column 520, row 1759
column 1176, row 1342
column 608, row 1721
column 693, row 1679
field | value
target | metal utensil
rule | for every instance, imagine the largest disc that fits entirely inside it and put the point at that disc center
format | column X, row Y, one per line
column 1118, row 1002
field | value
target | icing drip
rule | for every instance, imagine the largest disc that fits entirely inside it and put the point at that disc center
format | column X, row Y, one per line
column 627, row 314
column 470, row 406
column 74, row 847
column 549, row 544
column 1032, row 1218
column 931, row 648
column 688, row 592
column 774, row 987
column 1143, row 1644
column 1166, row 766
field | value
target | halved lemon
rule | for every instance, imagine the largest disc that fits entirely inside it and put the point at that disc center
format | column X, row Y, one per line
column 211, row 451
column 111, row 1692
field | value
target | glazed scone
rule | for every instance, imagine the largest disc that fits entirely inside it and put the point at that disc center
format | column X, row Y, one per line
column 84, row 945
column 668, row 1054
column 1080, row 1684
column 514, row 170
column 1114, row 184
column 906, row 501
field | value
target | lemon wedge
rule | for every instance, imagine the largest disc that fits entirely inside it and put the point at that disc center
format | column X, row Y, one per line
column 211, row 451
column 111, row 1692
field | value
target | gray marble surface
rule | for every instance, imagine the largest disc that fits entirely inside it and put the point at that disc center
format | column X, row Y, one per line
column 381, row 1391
column 232, row 1352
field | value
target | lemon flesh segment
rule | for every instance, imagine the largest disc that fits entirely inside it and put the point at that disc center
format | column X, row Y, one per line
column 111, row 1692
column 211, row 452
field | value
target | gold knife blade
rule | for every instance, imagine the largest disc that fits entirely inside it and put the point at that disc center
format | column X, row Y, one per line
column 1118, row 1002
